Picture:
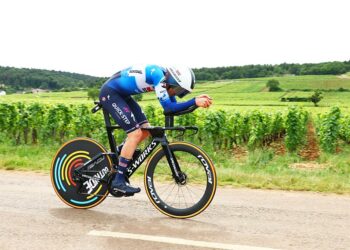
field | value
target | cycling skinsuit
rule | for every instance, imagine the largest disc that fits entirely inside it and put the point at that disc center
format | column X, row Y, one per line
column 115, row 95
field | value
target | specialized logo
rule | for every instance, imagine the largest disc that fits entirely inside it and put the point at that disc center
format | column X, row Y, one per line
column 133, row 117
column 141, row 158
column 120, row 113
column 207, row 168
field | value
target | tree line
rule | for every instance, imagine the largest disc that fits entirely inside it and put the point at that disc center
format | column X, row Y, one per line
column 18, row 79
column 253, row 71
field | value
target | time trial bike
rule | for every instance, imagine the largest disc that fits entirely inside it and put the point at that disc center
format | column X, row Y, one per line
column 179, row 177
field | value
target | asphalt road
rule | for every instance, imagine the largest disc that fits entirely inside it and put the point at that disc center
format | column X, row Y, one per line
column 32, row 217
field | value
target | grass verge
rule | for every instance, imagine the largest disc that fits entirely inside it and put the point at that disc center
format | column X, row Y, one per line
column 261, row 169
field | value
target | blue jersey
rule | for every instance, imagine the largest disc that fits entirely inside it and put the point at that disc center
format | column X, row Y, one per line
column 145, row 78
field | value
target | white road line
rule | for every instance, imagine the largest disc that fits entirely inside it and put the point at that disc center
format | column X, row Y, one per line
column 176, row 241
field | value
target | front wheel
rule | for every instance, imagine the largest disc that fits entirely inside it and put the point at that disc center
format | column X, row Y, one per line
column 188, row 198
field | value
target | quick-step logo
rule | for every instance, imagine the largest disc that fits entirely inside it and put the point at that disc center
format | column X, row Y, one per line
column 120, row 113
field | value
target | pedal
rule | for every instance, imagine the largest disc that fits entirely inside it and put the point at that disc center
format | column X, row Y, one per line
column 116, row 193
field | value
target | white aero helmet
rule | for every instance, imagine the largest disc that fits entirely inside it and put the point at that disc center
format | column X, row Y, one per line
column 181, row 80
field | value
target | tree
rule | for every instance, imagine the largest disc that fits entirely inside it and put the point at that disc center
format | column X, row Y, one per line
column 316, row 97
column 273, row 85
column 93, row 93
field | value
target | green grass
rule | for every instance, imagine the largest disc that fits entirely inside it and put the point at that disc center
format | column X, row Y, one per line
column 26, row 157
column 260, row 169
column 263, row 169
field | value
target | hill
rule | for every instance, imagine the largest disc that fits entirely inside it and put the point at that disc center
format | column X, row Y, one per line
column 16, row 79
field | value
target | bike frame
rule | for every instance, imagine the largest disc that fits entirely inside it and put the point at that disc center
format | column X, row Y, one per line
column 159, row 137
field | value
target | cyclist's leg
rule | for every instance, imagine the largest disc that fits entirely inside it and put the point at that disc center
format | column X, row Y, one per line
column 120, row 111
column 134, row 137
column 139, row 115
column 117, row 107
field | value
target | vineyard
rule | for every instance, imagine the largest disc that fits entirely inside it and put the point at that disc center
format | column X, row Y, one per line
column 37, row 123
column 254, row 139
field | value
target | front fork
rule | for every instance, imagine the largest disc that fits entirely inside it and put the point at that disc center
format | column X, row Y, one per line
column 178, row 175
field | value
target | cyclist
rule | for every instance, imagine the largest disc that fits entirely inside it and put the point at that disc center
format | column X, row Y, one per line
column 115, row 97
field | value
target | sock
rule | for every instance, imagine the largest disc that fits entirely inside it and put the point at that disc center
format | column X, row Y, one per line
column 121, row 170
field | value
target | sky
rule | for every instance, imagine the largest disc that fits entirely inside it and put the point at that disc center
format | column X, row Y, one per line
column 101, row 37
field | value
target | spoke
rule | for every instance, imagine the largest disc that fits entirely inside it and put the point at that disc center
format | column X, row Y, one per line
column 164, row 190
column 184, row 197
column 196, row 187
column 190, row 193
column 177, row 194
column 170, row 193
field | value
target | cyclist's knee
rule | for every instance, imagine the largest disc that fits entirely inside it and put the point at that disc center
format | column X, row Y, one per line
column 145, row 133
column 136, row 135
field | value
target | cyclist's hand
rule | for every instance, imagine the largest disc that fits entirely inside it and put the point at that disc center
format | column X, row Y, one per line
column 203, row 102
column 209, row 99
column 206, row 96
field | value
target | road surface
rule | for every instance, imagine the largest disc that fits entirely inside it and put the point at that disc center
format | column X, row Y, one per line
column 32, row 217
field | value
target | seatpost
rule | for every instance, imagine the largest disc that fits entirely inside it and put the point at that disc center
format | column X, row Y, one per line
column 109, row 129
column 169, row 121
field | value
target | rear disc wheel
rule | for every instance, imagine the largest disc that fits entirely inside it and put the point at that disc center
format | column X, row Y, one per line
column 80, row 192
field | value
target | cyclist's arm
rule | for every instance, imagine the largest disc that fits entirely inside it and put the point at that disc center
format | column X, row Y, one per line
column 156, row 76
column 169, row 103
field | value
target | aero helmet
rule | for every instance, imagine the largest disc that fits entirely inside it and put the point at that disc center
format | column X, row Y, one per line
column 181, row 80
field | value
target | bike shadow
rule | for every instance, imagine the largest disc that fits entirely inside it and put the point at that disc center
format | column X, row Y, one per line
column 94, row 217
column 87, row 216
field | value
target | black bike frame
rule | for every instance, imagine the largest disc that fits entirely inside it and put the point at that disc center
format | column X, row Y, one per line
column 159, row 137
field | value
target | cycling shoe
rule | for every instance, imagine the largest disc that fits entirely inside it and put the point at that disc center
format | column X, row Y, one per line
column 125, row 189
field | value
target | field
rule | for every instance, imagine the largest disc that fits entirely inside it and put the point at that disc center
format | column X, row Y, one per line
column 267, row 165
column 240, row 95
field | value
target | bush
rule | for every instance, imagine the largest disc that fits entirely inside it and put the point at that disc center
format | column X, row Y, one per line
column 329, row 130
column 138, row 97
column 316, row 97
column 295, row 128
column 93, row 93
column 273, row 85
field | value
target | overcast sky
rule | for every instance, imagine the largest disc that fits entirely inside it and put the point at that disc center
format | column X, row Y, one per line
column 101, row 37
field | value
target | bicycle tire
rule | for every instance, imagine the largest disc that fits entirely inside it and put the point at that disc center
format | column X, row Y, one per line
column 194, row 162
column 71, row 155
